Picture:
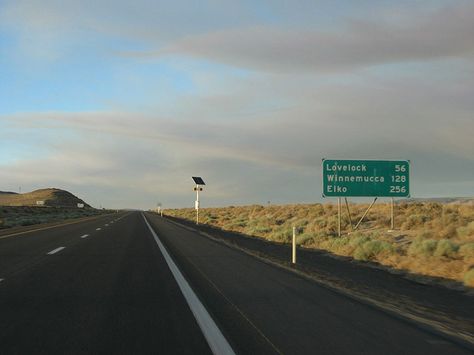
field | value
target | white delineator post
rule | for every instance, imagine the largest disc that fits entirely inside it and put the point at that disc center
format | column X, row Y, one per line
column 293, row 248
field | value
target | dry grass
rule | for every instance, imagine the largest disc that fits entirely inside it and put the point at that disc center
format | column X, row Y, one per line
column 431, row 238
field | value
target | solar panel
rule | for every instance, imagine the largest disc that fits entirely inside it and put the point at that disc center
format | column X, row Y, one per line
column 198, row 180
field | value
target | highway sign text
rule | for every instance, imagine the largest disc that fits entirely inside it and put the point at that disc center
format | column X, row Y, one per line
column 365, row 178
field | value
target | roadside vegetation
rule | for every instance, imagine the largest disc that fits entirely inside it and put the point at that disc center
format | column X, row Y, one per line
column 26, row 216
column 430, row 239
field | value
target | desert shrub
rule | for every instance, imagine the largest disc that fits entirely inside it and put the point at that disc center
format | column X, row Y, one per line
column 425, row 247
column 426, row 234
column 305, row 239
column 302, row 222
column 414, row 220
column 467, row 250
column 279, row 221
column 280, row 236
column 370, row 249
column 467, row 230
column 449, row 217
column 257, row 230
column 449, row 232
column 358, row 239
column 339, row 242
column 446, row 248
column 234, row 226
column 469, row 278
column 321, row 222
column 29, row 222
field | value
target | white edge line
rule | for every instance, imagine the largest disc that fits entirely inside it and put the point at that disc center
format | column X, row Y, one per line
column 56, row 250
column 216, row 340
column 84, row 236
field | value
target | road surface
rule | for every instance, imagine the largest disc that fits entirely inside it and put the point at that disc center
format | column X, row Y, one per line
column 136, row 283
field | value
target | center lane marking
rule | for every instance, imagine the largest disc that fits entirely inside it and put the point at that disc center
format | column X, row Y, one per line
column 98, row 229
column 84, row 236
column 57, row 250
column 216, row 340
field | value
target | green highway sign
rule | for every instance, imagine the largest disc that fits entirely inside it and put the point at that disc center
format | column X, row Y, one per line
column 365, row 178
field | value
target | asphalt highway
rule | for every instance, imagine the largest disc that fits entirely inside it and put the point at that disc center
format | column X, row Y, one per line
column 136, row 283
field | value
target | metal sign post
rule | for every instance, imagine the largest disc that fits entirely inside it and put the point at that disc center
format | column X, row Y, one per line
column 198, row 181
column 392, row 219
column 339, row 216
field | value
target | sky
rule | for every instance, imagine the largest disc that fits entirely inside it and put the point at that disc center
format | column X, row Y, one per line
column 121, row 102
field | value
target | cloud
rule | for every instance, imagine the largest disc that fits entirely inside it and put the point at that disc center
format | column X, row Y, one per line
column 254, row 134
column 446, row 33
column 265, row 150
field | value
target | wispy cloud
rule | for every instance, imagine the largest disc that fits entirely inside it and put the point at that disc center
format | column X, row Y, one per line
column 445, row 33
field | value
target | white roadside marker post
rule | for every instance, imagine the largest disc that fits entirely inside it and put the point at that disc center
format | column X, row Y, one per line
column 293, row 249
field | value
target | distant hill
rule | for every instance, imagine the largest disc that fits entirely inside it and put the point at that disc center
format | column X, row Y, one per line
column 51, row 197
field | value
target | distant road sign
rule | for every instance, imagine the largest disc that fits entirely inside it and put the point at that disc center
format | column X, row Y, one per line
column 366, row 178
column 40, row 203
column 80, row 205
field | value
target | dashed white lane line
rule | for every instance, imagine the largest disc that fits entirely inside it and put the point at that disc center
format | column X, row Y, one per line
column 57, row 250
column 98, row 229
column 106, row 225
column 1, row 280
column 84, row 236
column 216, row 340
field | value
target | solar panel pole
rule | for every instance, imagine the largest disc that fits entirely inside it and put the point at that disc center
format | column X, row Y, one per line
column 197, row 204
column 198, row 181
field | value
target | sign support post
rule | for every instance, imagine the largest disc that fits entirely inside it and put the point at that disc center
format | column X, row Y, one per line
column 349, row 213
column 339, row 216
column 392, row 219
column 365, row 213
